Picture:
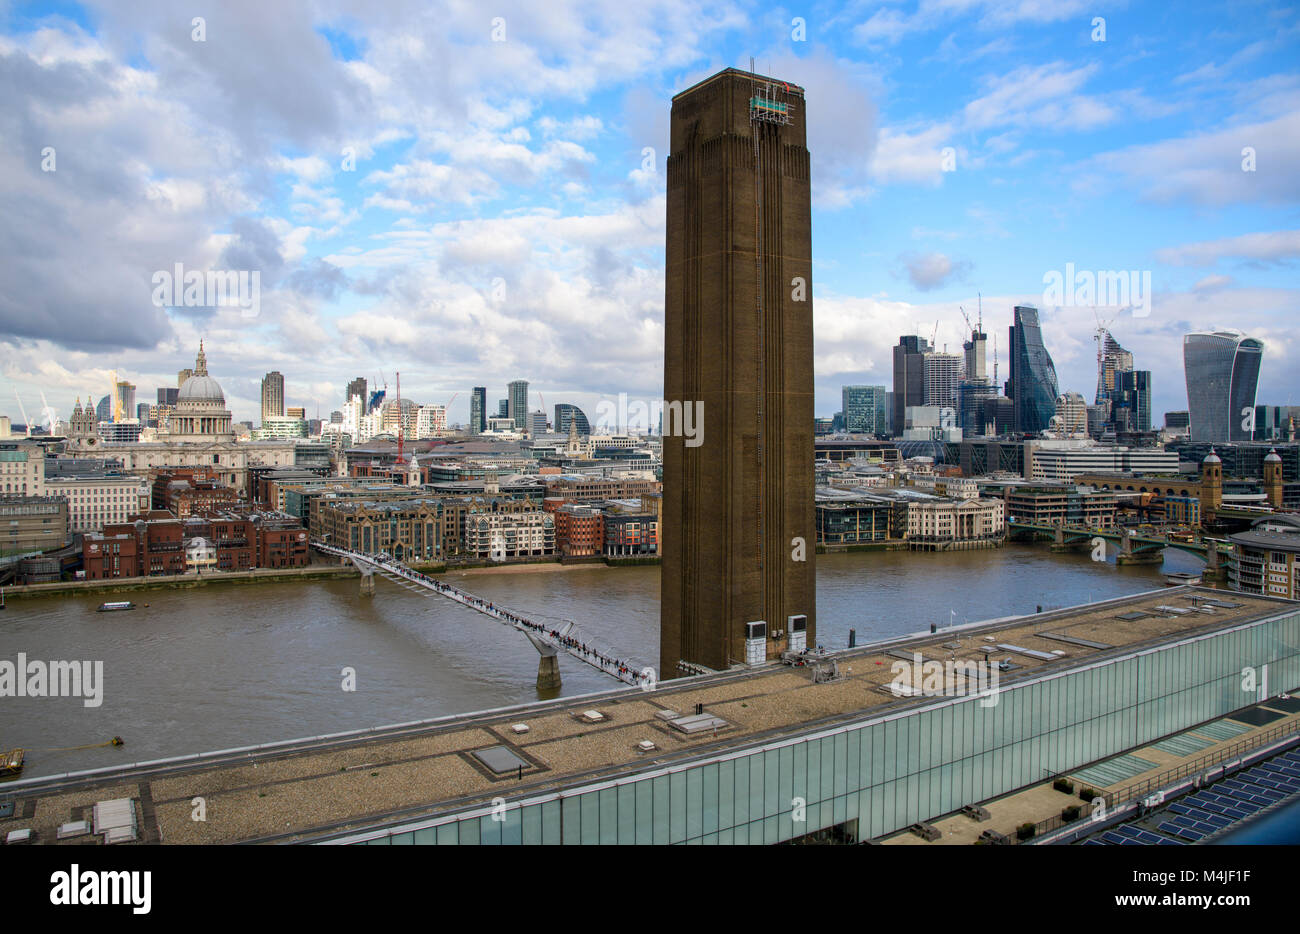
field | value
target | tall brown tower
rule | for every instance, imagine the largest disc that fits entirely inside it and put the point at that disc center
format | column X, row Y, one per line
column 739, row 543
column 1273, row 485
column 1211, row 488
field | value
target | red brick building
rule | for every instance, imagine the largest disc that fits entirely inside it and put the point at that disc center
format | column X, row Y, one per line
column 579, row 530
column 191, row 491
column 240, row 542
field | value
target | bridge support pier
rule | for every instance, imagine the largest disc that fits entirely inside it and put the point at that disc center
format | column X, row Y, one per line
column 1130, row 555
column 548, row 674
column 1215, row 567
column 1139, row 557
column 367, row 585
column 548, row 667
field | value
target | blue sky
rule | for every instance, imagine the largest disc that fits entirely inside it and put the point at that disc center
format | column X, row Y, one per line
column 500, row 217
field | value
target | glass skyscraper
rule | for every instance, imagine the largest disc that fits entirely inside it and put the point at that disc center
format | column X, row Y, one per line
column 864, row 409
column 1222, row 370
column 566, row 413
column 478, row 410
column 517, row 404
column 1032, row 387
column 909, row 379
column 1131, row 400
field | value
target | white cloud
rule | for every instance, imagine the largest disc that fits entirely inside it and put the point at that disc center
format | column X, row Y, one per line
column 1275, row 247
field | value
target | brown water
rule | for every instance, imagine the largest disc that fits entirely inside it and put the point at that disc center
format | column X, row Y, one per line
column 234, row 665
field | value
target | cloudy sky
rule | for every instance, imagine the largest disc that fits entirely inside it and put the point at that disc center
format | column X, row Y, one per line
column 473, row 192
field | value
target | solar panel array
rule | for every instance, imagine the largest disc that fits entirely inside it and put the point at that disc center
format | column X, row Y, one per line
column 1196, row 816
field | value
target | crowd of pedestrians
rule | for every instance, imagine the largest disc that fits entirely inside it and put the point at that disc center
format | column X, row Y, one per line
column 590, row 653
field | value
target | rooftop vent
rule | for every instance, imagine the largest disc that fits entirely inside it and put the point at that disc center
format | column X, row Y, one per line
column 697, row 723
column 115, row 819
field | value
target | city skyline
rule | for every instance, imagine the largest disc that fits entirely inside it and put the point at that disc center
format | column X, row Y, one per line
column 545, row 185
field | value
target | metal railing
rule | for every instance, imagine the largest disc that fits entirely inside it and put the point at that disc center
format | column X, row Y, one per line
column 1164, row 779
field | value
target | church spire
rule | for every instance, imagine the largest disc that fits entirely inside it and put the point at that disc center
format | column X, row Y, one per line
column 201, row 362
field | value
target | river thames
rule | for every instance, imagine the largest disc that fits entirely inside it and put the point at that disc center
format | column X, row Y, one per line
column 235, row 665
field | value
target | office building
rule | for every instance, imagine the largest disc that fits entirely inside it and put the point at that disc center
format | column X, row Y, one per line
column 864, row 409
column 357, row 387
column 22, row 469
column 943, row 374
column 1266, row 558
column 1222, row 371
column 738, row 544
column 431, row 421
column 280, row 426
column 1131, row 401
column 272, row 395
column 974, row 354
column 1112, row 360
column 909, row 379
column 1032, row 388
column 1066, row 459
column 478, row 410
column 32, row 523
column 1073, row 413
column 566, row 414
column 517, row 403
column 972, row 395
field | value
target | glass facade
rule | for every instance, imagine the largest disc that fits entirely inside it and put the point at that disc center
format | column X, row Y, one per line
column 864, row 409
column 1222, row 371
column 517, row 403
column 478, row 410
column 1032, row 388
column 972, row 394
column 565, row 413
column 1133, row 396
column 896, row 768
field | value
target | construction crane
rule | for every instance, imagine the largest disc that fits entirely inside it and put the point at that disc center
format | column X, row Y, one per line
column 47, row 412
column 22, row 408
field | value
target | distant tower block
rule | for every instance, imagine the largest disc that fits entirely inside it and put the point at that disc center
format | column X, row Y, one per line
column 739, row 540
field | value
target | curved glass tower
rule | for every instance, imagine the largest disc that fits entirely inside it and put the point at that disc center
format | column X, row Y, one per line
column 565, row 413
column 1222, row 370
column 1032, row 387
